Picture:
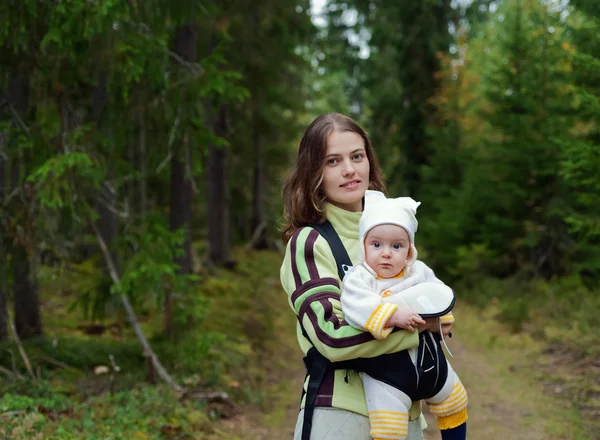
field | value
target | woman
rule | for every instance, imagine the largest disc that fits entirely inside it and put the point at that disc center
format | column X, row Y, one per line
column 335, row 166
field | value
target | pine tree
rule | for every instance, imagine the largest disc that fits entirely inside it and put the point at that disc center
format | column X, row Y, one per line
column 581, row 148
column 510, row 198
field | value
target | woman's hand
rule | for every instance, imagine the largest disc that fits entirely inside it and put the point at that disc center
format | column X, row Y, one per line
column 406, row 319
column 430, row 325
column 433, row 325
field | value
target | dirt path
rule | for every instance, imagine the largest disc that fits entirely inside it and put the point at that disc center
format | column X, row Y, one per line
column 506, row 401
column 495, row 412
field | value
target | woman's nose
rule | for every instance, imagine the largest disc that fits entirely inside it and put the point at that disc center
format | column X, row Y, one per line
column 348, row 169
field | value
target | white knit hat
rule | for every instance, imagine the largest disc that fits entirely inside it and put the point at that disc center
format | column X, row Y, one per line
column 379, row 210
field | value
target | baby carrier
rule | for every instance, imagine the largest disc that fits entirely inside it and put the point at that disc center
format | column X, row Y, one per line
column 419, row 380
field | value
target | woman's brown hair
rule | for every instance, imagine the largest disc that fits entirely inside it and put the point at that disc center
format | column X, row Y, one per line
column 303, row 194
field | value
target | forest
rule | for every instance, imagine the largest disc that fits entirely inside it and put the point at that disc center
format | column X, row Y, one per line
column 143, row 149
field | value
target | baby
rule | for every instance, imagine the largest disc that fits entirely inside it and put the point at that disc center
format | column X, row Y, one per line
column 390, row 288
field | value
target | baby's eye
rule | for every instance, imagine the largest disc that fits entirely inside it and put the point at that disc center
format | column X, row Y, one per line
column 376, row 244
column 397, row 246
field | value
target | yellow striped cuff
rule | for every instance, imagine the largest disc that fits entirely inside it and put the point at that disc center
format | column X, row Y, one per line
column 456, row 402
column 376, row 322
column 388, row 424
column 453, row 420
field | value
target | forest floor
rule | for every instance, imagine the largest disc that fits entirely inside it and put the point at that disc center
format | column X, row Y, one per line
column 512, row 394
column 519, row 387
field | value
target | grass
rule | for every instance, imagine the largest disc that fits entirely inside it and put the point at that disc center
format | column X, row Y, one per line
column 556, row 321
column 240, row 338
column 513, row 363
column 240, row 345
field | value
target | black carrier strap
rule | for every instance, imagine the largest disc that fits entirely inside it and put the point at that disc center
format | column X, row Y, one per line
column 316, row 364
column 337, row 247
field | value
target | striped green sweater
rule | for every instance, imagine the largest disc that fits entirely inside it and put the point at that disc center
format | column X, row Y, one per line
column 310, row 278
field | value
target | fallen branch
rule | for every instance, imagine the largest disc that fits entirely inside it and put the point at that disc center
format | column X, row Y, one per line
column 13, row 413
column 162, row 372
column 209, row 395
column 20, row 346
column 10, row 373
column 57, row 363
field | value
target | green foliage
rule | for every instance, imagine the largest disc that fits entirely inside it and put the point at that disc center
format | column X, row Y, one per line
column 515, row 314
column 581, row 145
column 487, row 115
column 144, row 413
column 56, row 179
column 19, row 402
column 152, row 269
column 492, row 184
column 391, row 89
column 561, row 310
column 80, row 353
column 242, row 341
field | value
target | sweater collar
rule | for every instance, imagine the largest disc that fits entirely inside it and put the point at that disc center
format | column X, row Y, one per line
column 344, row 222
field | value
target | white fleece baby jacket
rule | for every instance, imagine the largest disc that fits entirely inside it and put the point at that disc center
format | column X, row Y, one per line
column 369, row 301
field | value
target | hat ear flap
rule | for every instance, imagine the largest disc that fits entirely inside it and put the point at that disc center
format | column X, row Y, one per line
column 412, row 257
column 408, row 203
column 373, row 196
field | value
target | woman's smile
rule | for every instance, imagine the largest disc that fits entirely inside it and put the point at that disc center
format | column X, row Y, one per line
column 353, row 184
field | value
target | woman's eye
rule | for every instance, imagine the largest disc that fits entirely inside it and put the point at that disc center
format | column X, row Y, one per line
column 357, row 156
column 331, row 161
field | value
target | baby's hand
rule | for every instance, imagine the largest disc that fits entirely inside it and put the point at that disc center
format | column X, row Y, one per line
column 406, row 319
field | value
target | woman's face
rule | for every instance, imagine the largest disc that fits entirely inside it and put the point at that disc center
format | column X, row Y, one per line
column 345, row 170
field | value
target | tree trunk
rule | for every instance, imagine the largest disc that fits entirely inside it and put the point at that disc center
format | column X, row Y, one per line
column 429, row 25
column 108, row 222
column 28, row 320
column 3, row 307
column 138, row 188
column 259, row 240
column 186, row 37
column 3, row 268
column 106, row 204
column 258, row 223
column 218, row 198
column 181, row 217
column 141, row 165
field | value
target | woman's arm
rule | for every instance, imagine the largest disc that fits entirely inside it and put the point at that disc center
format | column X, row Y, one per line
column 309, row 276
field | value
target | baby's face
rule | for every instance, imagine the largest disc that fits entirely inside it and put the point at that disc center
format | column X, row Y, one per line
column 387, row 248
